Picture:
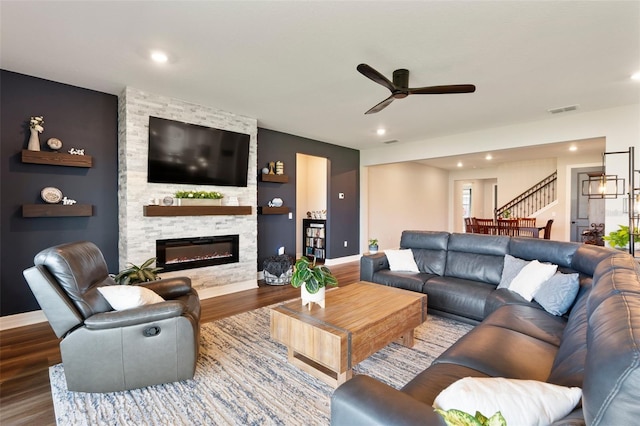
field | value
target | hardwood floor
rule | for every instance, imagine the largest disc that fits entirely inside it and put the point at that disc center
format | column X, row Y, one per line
column 27, row 352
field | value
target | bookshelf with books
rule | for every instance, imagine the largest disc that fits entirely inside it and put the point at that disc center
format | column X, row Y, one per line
column 314, row 238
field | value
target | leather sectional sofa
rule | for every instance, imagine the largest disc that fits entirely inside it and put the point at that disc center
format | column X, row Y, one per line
column 594, row 346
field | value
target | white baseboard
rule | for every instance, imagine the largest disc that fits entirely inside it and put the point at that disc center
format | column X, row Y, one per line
column 35, row 317
column 341, row 260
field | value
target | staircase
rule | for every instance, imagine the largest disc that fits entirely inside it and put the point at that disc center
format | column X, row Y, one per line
column 533, row 199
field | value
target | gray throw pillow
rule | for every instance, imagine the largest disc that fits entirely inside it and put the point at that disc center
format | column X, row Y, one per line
column 512, row 267
column 556, row 295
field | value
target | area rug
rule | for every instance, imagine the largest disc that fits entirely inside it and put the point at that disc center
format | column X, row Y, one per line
column 243, row 378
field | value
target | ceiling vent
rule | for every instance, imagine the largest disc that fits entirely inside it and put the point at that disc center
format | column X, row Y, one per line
column 391, row 141
column 563, row 109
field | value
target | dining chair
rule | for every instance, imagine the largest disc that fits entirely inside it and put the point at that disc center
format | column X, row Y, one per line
column 485, row 226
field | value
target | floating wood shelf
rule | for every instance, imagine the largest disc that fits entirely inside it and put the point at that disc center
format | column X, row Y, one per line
column 56, row 158
column 273, row 210
column 264, row 177
column 196, row 210
column 56, row 210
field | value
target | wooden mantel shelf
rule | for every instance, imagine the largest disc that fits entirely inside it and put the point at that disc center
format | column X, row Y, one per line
column 56, row 158
column 56, row 210
column 196, row 210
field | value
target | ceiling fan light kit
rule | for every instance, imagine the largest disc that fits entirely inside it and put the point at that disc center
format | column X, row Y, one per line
column 400, row 89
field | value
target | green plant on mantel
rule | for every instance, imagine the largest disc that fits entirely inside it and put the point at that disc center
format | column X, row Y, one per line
column 620, row 237
column 455, row 417
column 202, row 195
column 313, row 276
column 138, row 274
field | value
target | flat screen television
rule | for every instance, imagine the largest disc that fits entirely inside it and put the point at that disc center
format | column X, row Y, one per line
column 192, row 154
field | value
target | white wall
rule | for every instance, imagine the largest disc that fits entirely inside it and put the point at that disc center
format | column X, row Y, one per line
column 311, row 190
column 405, row 196
column 620, row 126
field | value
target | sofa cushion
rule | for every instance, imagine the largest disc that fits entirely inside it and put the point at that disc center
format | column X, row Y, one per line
column 557, row 252
column 457, row 296
column 504, row 296
column 432, row 240
column 430, row 261
column 122, row 297
column 407, row 280
column 587, row 257
column 529, row 320
column 484, row 349
column 556, row 295
column 521, row 402
column 568, row 366
column 531, row 277
column 401, row 260
column 510, row 269
column 612, row 371
column 429, row 249
column 430, row 382
column 476, row 257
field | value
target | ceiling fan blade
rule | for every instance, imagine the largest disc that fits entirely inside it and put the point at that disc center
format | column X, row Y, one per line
column 374, row 75
column 438, row 90
column 382, row 105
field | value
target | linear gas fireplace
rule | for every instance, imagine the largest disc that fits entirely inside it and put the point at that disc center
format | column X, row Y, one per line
column 186, row 253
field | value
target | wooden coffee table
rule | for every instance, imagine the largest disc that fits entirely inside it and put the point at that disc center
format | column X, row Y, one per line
column 358, row 320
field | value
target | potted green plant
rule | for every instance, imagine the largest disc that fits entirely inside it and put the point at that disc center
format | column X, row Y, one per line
column 455, row 417
column 312, row 280
column 199, row 198
column 620, row 237
column 134, row 274
column 373, row 245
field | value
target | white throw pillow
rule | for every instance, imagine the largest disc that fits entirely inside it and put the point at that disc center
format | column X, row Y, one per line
column 521, row 402
column 531, row 277
column 401, row 260
column 122, row 297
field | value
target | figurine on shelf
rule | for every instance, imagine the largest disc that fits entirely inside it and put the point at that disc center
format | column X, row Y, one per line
column 75, row 151
column 272, row 166
column 68, row 201
column 35, row 126
column 279, row 168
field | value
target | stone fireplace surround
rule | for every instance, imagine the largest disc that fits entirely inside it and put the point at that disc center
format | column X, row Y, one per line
column 138, row 233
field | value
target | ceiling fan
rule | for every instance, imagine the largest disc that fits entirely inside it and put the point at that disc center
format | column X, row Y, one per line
column 400, row 86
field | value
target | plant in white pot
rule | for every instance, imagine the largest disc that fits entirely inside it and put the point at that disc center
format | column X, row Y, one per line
column 373, row 245
column 312, row 280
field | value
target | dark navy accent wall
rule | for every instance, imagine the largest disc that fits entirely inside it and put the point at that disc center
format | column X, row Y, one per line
column 343, row 215
column 82, row 119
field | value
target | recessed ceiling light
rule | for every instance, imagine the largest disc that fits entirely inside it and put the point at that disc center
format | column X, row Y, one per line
column 636, row 76
column 159, row 57
column 381, row 132
column 573, row 148
column 488, row 157
column 459, row 163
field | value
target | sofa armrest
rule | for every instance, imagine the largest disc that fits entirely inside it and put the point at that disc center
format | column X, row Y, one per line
column 366, row 401
column 371, row 263
column 141, row 315
column 169, row 288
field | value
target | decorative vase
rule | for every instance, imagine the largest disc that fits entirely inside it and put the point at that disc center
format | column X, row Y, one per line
column 373, row 249
column 34, row 141
column 309, row 298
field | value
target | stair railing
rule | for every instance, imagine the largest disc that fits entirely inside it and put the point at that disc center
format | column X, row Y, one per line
column 533, row 199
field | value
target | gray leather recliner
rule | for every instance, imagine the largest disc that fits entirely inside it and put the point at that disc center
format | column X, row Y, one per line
column 104, row 350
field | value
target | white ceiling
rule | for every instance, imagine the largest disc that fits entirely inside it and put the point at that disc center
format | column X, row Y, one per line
column 292, row 65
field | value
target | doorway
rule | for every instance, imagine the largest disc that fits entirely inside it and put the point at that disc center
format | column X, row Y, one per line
column 584, row 211
column 311, row 192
